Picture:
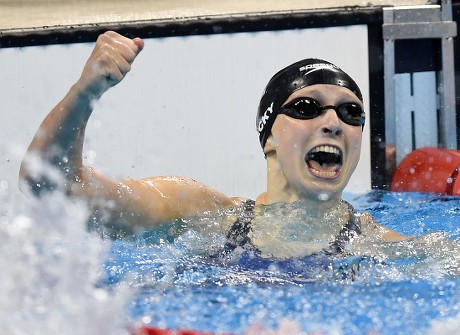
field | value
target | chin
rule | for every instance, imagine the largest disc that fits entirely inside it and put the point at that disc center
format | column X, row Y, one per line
column 327, row 189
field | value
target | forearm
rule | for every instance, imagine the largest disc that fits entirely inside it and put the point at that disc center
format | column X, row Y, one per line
column 58, row 142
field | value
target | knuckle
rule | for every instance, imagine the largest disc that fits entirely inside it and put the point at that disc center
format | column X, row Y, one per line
column 127, row 68
column 103, row 38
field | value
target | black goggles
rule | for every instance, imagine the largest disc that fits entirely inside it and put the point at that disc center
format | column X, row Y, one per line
column 308, row 108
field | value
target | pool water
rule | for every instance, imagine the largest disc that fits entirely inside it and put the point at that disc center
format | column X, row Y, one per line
column 179, row 289
column 57, row 278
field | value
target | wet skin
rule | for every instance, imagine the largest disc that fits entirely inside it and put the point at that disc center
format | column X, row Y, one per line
column 292, row 176
column 155, row 200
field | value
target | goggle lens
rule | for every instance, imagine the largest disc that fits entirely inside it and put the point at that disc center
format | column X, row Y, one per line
column 308, row 108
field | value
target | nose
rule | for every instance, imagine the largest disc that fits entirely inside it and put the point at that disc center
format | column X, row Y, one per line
column 332, row 124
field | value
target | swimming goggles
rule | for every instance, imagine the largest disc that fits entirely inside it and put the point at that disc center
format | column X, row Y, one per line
column 307, row 108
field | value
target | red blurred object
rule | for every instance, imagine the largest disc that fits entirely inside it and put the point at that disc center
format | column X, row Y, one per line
column 433, row 170
column 159, row 331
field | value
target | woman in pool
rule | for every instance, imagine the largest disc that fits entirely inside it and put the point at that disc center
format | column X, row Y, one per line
column 310, row 124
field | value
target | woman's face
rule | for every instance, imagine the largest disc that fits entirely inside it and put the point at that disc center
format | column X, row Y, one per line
column 317, row 156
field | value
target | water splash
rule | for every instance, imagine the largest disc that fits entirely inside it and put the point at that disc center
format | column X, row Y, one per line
column 51, row 267
column 52, row 283
column 445, row 327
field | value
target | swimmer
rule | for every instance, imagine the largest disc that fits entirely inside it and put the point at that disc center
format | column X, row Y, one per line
column 310, row 122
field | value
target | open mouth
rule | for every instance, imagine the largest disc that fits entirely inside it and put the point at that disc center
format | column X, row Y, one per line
column 325, row 161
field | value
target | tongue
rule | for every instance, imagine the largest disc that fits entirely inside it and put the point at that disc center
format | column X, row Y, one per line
column 322, row 167
column 324, row 171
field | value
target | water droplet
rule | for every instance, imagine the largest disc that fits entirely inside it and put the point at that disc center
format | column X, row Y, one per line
column 3, row 185
column 323, row 196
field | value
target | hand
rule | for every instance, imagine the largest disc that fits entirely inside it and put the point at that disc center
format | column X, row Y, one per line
column 109, row 62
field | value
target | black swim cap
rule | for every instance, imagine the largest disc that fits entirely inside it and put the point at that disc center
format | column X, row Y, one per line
column 301, row 74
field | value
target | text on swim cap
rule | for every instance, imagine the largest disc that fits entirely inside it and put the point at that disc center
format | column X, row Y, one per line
column 265, row 117
column 316, row 66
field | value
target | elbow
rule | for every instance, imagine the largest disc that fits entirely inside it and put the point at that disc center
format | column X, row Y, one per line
column 25, row 180
column 37, row 178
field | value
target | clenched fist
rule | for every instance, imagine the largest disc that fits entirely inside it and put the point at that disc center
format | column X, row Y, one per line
column 109, row 62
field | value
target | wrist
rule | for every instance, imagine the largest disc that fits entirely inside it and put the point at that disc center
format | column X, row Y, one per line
column 87, row 92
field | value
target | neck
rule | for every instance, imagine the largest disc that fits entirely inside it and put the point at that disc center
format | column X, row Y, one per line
column 279, row 190
column 316, row 205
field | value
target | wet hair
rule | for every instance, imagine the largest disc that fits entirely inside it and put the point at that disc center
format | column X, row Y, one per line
column 301, row 74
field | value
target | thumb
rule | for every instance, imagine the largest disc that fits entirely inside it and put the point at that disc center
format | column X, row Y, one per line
column 139, row 43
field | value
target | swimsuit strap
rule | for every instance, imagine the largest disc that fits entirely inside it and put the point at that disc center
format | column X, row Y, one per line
column 350, row 230
column 238, row 234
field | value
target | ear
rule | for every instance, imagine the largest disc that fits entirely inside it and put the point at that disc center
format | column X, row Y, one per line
column 270, row 145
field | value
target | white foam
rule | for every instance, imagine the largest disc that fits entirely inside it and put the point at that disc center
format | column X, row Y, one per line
column 50, row 266
column 445, row 326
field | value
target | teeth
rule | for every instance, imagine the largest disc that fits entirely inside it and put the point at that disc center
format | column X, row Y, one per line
column 325, row 174
column 326, row 148
column 329, row 168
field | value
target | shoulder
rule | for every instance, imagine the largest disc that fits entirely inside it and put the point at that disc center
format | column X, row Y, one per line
column 370, row 226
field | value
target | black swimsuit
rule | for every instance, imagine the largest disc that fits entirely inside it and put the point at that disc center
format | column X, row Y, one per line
column 238, row 236
column 345, row 267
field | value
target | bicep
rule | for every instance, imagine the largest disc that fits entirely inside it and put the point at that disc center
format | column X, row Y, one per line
column 150, row 201
column 178, row 197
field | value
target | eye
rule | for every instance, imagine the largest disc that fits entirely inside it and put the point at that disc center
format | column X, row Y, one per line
column 305, row 107
column 353, row 111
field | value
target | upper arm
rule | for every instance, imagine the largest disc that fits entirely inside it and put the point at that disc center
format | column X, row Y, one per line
column 150, row 201
column 167, row 198
column 393, row 236
column 387, row 234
